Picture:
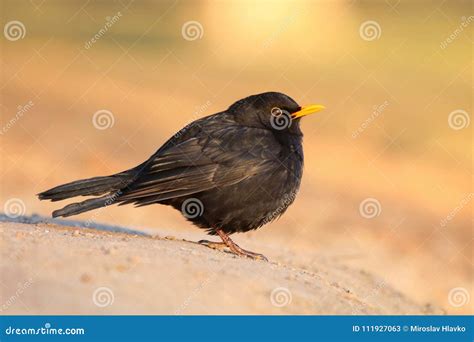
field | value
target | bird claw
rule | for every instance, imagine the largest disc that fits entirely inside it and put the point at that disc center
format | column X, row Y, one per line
column 220, row 246
column 254, row 256
column 234, row 249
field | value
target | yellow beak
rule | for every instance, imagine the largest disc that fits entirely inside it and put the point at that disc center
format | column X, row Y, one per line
column 307, row 110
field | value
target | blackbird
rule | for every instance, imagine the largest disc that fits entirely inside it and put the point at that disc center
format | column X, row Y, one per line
column 229, row 172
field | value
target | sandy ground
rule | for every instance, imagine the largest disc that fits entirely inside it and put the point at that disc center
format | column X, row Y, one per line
column 50, row 268
column 407, row 156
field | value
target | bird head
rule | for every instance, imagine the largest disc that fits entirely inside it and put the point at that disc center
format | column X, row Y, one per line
column 272, row 110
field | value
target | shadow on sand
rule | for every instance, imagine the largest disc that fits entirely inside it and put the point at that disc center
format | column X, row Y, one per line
column 35, row 219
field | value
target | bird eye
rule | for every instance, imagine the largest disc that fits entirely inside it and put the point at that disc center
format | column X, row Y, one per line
column 276, row 111
column 280, row 118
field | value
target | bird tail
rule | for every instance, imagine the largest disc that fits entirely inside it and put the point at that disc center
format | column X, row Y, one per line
column 109, row 185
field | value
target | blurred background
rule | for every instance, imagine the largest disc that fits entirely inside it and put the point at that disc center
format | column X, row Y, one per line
column 95, row 87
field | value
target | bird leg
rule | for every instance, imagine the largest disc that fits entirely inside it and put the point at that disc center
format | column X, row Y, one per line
column 236, row 249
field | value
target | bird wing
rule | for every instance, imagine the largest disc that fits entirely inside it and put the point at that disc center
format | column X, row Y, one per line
column 208, row 159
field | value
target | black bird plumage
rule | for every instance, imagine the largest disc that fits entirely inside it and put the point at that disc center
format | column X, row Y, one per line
column 230, row 172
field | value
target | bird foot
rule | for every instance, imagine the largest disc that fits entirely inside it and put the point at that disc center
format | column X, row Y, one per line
column 249, row 254
column 220, row 246
column 230, row 246
column 234, row 249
